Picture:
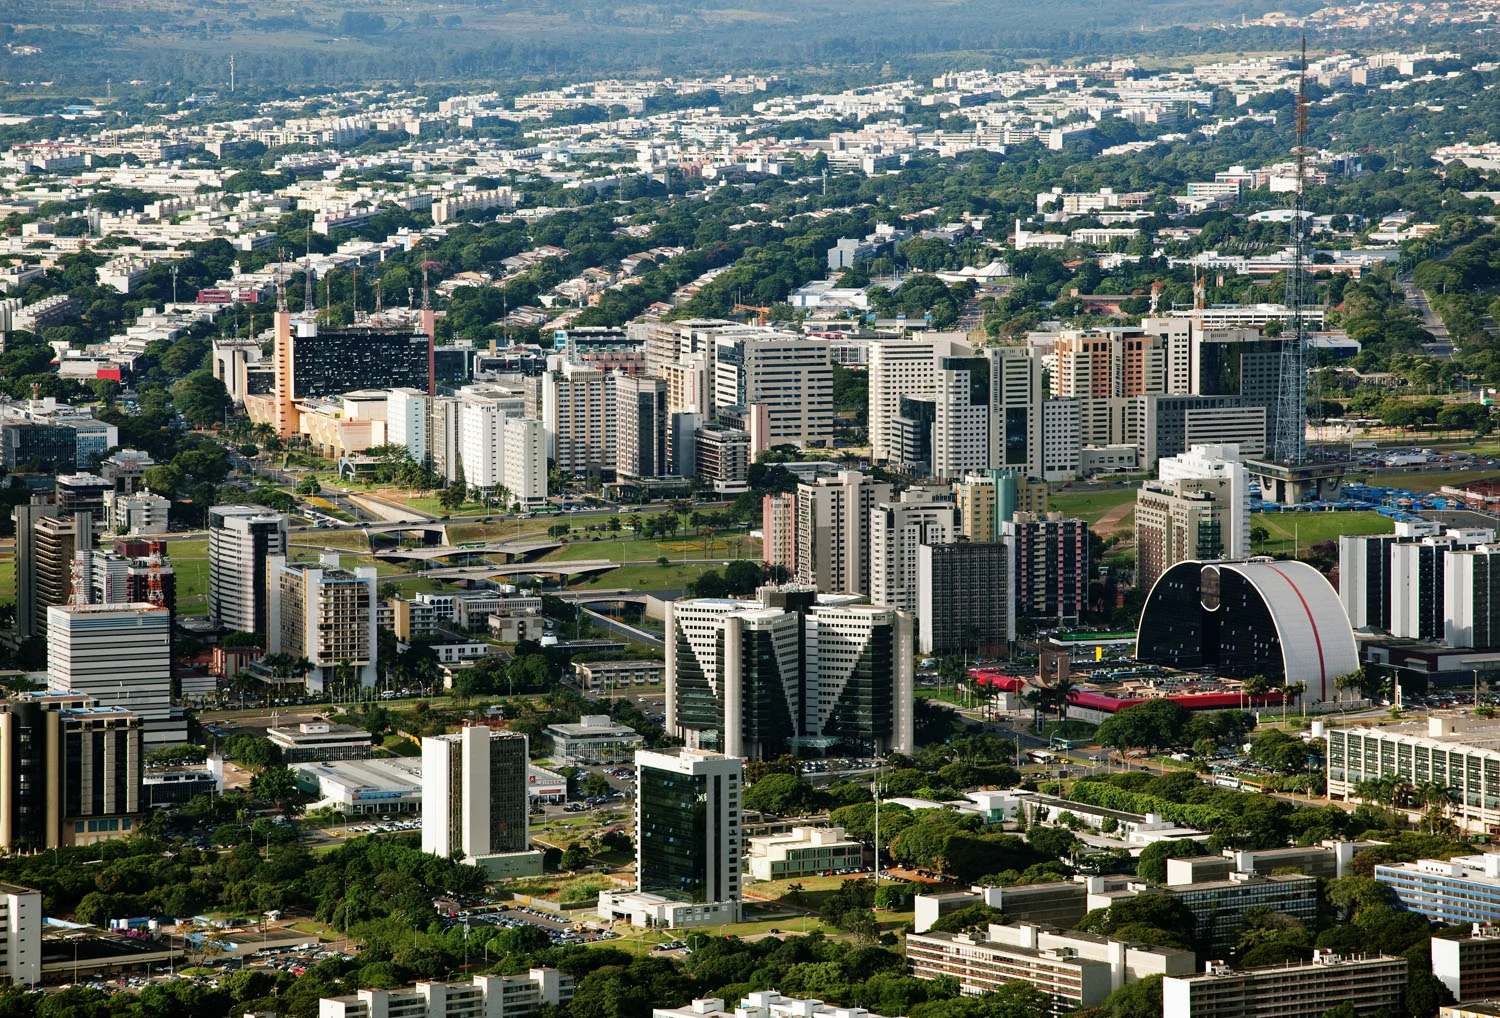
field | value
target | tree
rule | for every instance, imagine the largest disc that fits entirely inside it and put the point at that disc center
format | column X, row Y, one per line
column 1155, row 724
column 782, row 794
column 1153, row 861
column 974, row 917
column 277, row 784
column 309, row 485
column 201, row 398
column 595, row 786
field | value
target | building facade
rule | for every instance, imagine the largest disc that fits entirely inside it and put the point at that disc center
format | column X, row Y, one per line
column 1296, row 990
column 326, row 614
column 242, row 539
column 688, row 863
column 118, row 656
column 964, row 598
column 474, row 785
column 1051, row 569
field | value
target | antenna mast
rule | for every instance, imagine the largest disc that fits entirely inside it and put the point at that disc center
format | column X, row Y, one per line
column 1291, row 415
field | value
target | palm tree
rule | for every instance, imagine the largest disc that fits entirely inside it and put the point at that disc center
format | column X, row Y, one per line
column 1059, row 695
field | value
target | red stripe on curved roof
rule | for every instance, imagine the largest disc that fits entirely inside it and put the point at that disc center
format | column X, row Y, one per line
column 1317, row 637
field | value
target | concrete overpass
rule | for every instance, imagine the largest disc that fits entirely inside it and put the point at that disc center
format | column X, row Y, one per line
column 427, row 554
column 565, row 571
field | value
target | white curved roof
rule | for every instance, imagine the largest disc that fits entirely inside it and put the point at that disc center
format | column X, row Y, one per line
column 1317, row 642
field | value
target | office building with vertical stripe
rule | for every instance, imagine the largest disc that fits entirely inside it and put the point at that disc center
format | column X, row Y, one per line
column 1051, row 565
column 1471, row 597
column 241, row 541
column 70, row 773
column 474, row 786
column 687, row 843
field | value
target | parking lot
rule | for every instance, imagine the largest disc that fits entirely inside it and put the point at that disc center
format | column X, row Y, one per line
column 560, row 929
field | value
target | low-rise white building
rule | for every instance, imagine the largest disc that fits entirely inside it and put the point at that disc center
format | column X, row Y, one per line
column 596, row 738
column 804, row 851
column 488, row 996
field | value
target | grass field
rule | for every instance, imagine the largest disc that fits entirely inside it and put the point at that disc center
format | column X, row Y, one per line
column 1089, row 505
column 1302, row 530
column 7, row 579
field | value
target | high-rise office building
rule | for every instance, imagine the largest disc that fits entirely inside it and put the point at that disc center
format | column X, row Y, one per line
column 326, row 614
column 1418, row 580
column 1017, row 398
column 641, row 426
column 500, row 448
column 723, row 457
column 961, row 417
column 36, row 447
column 242, row 539
column 687, row 842
column 833, row 531
column 788, row 671
column 1061, row 439
column 118, row 655
column 475, row 790
column 70, row 772
column 964, row 601
column 783, row 382
column 1217, row 463
column 897, row 531
column 1051, row 565
column 1471, row 597
column 26, row 518
column 1365, row 580
column 310, row 359
column 903, row 367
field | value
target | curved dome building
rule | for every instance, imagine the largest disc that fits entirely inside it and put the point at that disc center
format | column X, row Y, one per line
column 1280, row 619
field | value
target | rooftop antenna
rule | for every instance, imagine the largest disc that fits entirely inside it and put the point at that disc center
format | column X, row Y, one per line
column 354, row 288
column 411, row 299
column 309, row 300
column 379, row 306
column 281, row 281
column 426, row 294
column 231, row 72
column 1291, row 410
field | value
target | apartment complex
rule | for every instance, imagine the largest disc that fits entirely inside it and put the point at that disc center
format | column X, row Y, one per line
column 1051, row 568
column 783, row 384
column 986, row 500
column 833, row 531
column 688, row 842
column 324, row 613
column 898, row 530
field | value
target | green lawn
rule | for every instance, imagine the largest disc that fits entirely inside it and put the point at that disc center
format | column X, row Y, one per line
column 1089, row 505
column 646, row 577
column 1423, row 481
column 7, row 579
column 1302, row 530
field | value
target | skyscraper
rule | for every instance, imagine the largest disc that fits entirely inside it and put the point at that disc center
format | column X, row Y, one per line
column 474, row 787
column 687, row 842
column 241, row 541
column 897, row 531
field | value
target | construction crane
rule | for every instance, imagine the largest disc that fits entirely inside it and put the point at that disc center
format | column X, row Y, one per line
column 763, row 312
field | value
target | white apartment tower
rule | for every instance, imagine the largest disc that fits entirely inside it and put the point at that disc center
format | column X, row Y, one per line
column 407, row 413
column 784, row 383
column 578, row 414
column 833, row 531
column 324, row 613
column 897, row 530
